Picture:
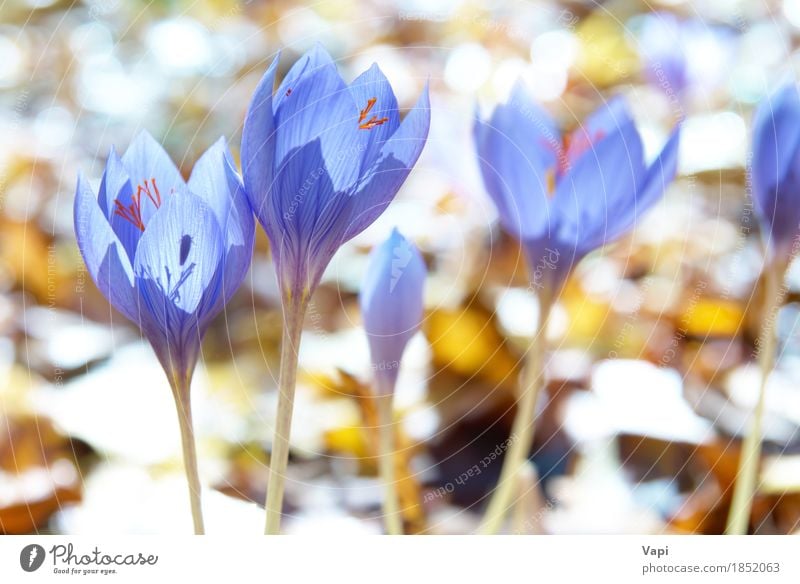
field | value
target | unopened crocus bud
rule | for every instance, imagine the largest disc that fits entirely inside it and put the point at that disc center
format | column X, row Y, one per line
column 391, row 305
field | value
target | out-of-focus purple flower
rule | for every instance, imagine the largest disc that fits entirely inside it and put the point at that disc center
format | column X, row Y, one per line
column 663, row 52
column 776, row 170
column 564, row 198
column 391, row 304
column 322, row 159
column 168, row 254
column 683, row 55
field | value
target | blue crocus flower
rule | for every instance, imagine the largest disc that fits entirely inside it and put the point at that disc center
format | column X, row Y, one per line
column 565, row 197
column 776, row 171
column 391, row 305
column 322, row 159
column 168, row 254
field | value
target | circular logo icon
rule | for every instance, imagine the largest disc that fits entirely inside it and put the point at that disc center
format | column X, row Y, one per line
column 31, row 557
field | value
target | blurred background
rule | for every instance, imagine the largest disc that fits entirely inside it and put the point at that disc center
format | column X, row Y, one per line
column 651, row 372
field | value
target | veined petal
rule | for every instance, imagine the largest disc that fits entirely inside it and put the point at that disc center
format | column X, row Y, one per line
column 372, row 92
column 116, row 191
column 321, row 107
column 145, row 159
column 397, row 157
column 392, row 303
column 114, row 185
column 313, row 60
column 258, row 144
column 178, row 259
column 103, row 253
column 603, row 181
column 216, row 182
column 306, row 218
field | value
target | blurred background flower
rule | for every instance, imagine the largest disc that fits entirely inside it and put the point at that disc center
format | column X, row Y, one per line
column 650, row 373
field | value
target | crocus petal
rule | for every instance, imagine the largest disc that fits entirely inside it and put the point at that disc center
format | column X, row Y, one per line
column 396, row 159
column 660, row 173
column 298, row 121
column 517, row 168
column 373, row 85
column 258, row 144
column 392, row 303
column 603, row 180
column 146, row 159
column 776, row 166
column 313, row 60
column 153, row 177
column 116, row 186
column 305, row 219
column 103, row 253
column 178, row 270
column 611, row 117
column 216, row 182
column 180, row 256
column 526, row 121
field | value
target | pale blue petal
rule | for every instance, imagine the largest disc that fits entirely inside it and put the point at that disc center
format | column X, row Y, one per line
column 103, row 253
column 179, row 257
column 373, row 85
column 397, row 157
column 258, row 144
column 392, row 303
column 216, row 182
column 604, row 180
column 516, row 174
column 776, row 166
column 321, row 107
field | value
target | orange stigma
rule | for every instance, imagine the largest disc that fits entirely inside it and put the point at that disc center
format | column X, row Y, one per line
column 371, row 122
column 133, row 212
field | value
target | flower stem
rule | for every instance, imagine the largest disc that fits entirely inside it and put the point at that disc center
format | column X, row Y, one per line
column 392, row 517
column 527, row 495
column 522, row 430
column 746, row 476
column 292, row 330
column 180, row 391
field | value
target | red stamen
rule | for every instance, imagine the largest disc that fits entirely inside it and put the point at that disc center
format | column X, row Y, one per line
column 373, row 121
column 133, row 212
column 363, row 113
column 288, row 92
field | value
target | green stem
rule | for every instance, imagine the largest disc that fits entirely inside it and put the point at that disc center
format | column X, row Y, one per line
column 746, row 477
column 392, row 516
column 180, row 391
column 279, row 459
column 522, row 430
